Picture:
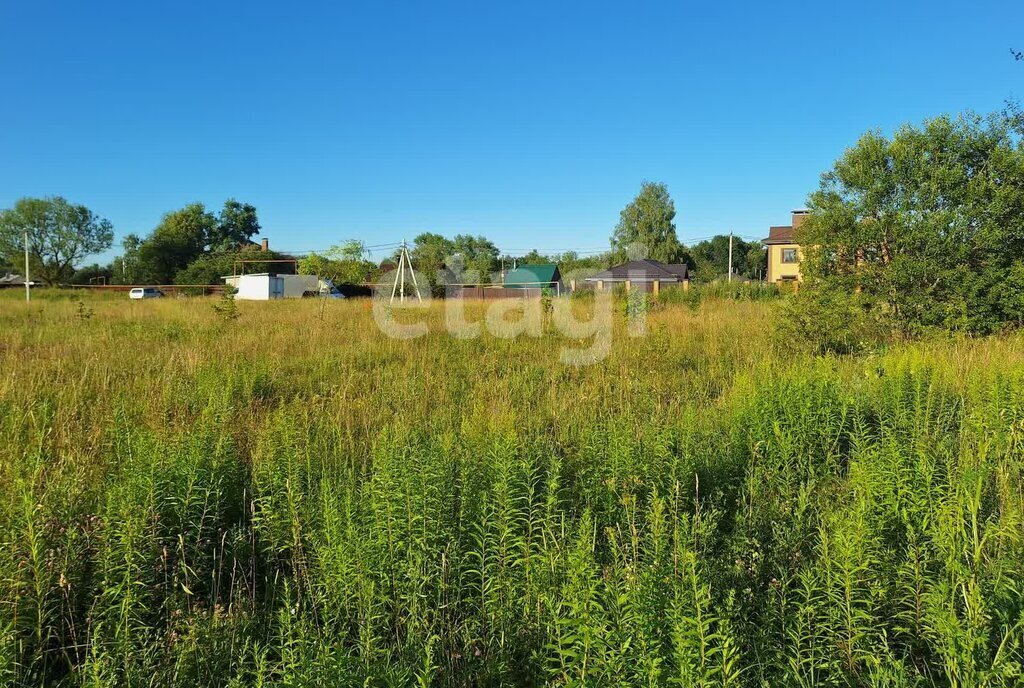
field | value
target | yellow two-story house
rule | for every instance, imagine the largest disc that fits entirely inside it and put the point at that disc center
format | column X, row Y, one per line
column 783, row 251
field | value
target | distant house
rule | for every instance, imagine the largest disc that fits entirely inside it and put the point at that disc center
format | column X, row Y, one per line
column 646, row 275
column 541, row 276
column 11, row 279
column 266, row 286
column 783, row 251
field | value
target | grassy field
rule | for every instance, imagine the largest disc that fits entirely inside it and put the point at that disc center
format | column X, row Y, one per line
column 294, row 499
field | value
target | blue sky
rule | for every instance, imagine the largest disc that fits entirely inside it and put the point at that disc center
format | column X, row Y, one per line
column 530, row 122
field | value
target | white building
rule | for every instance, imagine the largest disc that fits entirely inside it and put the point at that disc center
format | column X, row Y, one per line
column 264, row 286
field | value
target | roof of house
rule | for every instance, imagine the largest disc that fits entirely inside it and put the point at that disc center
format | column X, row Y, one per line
column 532, row 275
column 645, row 270
column 11, row 278
column 780, row 235
column 263, row 274
column 680, row 270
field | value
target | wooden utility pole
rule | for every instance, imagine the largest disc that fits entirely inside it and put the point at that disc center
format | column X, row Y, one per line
column 28, row 291
column 730, row 256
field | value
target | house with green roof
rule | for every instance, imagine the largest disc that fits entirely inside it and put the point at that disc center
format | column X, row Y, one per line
column 541, row 276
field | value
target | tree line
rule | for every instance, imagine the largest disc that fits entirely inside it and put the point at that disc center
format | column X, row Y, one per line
column 191, row 245
column 915, row 232
column 195, row 246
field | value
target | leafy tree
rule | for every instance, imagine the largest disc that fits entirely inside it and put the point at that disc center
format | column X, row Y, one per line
column 342, row 264
column 755, row 261
column 571, row 261
column 124, row 267
column 180, row 238
column 211, row 268
column 534, row 257
column 477, row 254
column 60, row 234
column 925, row 228
column 649, row 220
column 429, row 252
column 236, row 225
column 90, row 274
column 709, row 259
column 570, row 264
column 183, row 236
column 353, row 250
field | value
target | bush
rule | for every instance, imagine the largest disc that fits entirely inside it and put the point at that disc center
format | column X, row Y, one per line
column 729, row 291
column 213, row 267
column 226, row 307
column 928, row 226
column 92, row 273
column 831, row 322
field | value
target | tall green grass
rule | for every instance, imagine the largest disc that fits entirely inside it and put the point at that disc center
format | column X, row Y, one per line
column 292, row 499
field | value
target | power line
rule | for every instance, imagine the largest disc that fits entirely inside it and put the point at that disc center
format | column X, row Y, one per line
column 394, row 246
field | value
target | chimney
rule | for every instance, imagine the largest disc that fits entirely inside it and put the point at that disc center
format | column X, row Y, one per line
column 265, row 243
column 799, row 216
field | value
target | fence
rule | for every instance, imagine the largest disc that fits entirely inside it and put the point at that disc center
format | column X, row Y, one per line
column 490, row 293
column 169, row 289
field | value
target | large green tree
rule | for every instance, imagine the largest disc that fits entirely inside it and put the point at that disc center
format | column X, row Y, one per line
column 922, row 230
column 125, row 266
column 211, row 268
column 429, row 251
column 477, row 254
column 342, row 264
column 709, row 259
column 534, row 257
column 92, row 274
column 649, row 222
column 180, row 238
column 187, row 235
column 60, row 234
column 237, row 224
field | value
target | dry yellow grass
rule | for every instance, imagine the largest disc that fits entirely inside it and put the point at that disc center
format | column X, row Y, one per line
column 294, row 498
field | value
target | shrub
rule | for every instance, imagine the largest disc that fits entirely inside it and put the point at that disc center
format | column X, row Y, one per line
column 722, row 290
column 823, row 321
column 928, row 226
column 226, row 307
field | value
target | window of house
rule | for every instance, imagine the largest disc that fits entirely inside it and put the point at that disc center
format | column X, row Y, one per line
column 789, row 255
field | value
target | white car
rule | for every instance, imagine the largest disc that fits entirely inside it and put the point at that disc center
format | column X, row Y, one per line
column 145, row 293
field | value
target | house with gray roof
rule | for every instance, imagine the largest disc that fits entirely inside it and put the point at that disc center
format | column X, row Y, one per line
column 645, row 275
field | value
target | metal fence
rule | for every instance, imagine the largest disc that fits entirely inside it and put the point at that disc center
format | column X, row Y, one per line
column 489, row 293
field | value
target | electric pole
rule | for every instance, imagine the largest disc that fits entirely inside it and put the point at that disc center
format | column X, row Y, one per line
column 28, row 293
column 730, row 256
column 404, row 263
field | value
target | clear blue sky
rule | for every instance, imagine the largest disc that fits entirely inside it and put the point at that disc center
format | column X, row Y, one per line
column 530, row 122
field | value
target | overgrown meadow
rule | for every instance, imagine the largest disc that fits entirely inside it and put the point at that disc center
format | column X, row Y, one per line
column 290, row 498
